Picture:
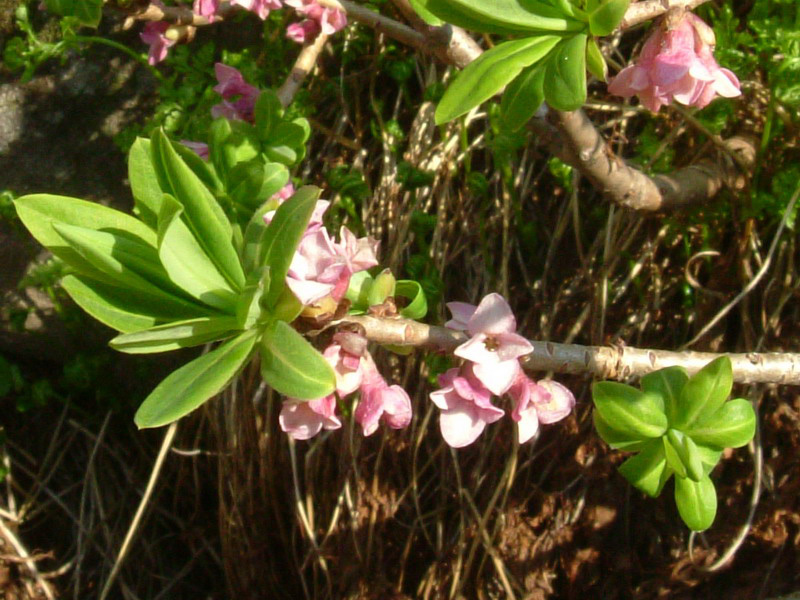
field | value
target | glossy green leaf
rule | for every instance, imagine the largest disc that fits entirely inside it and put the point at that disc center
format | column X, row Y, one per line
column 628, row 410
column 614, row 438
column 673, row 458
column 425, row 14
column 281, row 237
column 193, row 384
column 267, row 113
column 358, row 291
column 203, row 214
column 687, row 453
column 709, row 456
column 606, row 17
column 292, row 366
column 248, row 308
column 287, row 307
column 666, row 383
column 172, row 336
column 697, row 502
column 595, row 61
column 704, row 393
column 417, row 307
column 382, row 287
column 144, row 183
column 502, row 16
column 187, row 263
column 38, row 212
column 647, row 471
column 732, row 426
column 489, row 73
column 523, row 97
column 109, row 305
column 565, row 75
column 203, row 169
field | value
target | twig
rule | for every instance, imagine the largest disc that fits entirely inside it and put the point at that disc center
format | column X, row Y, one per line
column 639, row 12
column 27, row 559
column 137, row 518
column 604, row 362
column 302, row 67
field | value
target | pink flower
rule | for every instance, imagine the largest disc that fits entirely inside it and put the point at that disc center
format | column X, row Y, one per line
column 300, row 32
column 466, row 407
column 206, row 8
column 260, row 7
column 346, row 361
column 318, row 18
column 495, row 347
column 153, row 35
column 232, row 85
column 462, row 313
column 199, row 148
column 677, row 63
column 544, row 402
column 322, row 268
column 304, row 420
column 381, row 401
column 287, row 192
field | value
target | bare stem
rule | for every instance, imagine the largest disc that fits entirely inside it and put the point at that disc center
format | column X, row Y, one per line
column 302, row 67
column 604, row 362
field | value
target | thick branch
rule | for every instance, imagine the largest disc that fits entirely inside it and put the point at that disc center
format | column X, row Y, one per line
column 630, row 187
column 639, row 12
column 302, row 67
column 604, row 362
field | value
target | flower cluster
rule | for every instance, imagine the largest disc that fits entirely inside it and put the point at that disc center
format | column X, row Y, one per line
column 492, row 367
column 355, row 371
column 316, row 19
column 677, row 63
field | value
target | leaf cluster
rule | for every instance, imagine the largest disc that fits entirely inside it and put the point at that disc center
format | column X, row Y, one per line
column 678, row 426
column 547, row 62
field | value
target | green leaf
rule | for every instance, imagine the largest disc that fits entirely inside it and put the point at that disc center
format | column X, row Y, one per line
column 382, row 287
column 125, row 311
column 282, row 236
column 697, row 502
column 502, row 16
column 187, row 263
column 248, row 309
column 666, row 383
column 203, row 169
column 565, row 75
column 686, row 452
column 489, row 73
column 613, row 438
column 144, row 183
column 292, row 366
column 523, row 97
column 417, row 308
column 172, row 336
column 38, row 212
column 595, row 61
column 267, row 113
column 285, row 143
column 648, row 470
column 605, row 18
column 203, row 214
column 628, row 410
column 121, row 258
column 190, row 386
column 709, row 456
column 673, row 458
column 108, row 305
column 88, row 12
column 732, row 426
column 704, row 393
column 358, row 291
column 425, row 14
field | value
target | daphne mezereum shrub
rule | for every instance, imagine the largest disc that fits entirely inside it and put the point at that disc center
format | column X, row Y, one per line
column 224, row 250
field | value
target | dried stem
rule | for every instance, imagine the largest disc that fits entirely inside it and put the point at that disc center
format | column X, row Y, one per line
column 302, row 67
column 604, row 362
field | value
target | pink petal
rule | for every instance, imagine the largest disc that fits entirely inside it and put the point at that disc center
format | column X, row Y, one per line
column 462, row 313
column 493, row 316
column 461, row 426
column 528, row 424
column 497, row 377
column 560, row 403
